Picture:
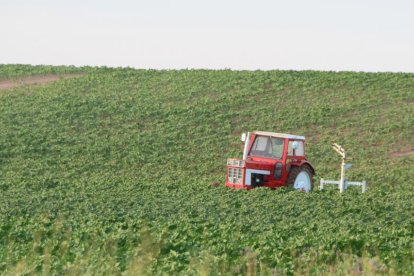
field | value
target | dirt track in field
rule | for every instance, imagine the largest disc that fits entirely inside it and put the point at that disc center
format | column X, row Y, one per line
column 34, row 80
column 397, row 154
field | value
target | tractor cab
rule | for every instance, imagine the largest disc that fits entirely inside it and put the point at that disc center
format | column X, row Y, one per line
column 271, row 160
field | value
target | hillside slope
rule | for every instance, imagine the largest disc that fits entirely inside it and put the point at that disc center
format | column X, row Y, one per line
column 96, row 159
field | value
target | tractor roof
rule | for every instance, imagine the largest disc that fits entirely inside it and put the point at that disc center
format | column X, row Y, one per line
column 281, row 135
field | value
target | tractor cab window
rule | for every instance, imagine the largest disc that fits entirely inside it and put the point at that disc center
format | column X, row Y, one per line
column 265, row 146
column 300, row 151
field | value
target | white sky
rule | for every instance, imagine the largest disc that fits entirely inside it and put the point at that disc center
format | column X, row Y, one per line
column 364, row 35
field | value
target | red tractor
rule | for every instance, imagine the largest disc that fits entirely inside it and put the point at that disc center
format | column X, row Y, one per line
column 271, row 160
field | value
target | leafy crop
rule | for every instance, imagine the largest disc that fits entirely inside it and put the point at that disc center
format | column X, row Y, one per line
column 89, row 164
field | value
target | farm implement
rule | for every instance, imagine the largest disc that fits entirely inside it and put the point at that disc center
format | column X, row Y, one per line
column 277, row 159
column 343, row 183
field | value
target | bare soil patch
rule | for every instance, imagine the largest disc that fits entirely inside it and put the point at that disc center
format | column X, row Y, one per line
column 34, row 80
column 397, row 154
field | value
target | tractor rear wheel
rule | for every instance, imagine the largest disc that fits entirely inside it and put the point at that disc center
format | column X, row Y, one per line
column 301, row 178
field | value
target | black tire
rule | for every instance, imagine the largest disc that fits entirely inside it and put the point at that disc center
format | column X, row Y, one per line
column 295, row 171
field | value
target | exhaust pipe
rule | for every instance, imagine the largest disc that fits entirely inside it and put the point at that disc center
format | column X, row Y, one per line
column 246, row 144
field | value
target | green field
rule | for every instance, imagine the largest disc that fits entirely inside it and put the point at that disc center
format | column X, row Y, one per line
column 110, row 172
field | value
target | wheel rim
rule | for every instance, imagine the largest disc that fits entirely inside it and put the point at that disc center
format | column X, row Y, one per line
column 303, row 182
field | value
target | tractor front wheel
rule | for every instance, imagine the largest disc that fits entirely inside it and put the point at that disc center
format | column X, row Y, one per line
column 300, row 178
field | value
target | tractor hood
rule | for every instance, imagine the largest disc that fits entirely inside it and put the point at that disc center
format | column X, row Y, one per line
column 259, row 164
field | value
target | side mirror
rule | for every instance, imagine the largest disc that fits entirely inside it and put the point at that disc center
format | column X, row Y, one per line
column 295, row 145
column 243, row 137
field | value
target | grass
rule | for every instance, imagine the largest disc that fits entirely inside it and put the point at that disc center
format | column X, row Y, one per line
column 88, row 163
column 102, row 261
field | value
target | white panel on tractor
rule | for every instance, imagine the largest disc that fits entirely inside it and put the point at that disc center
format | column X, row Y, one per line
column 281, row 135
column 249, row 175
